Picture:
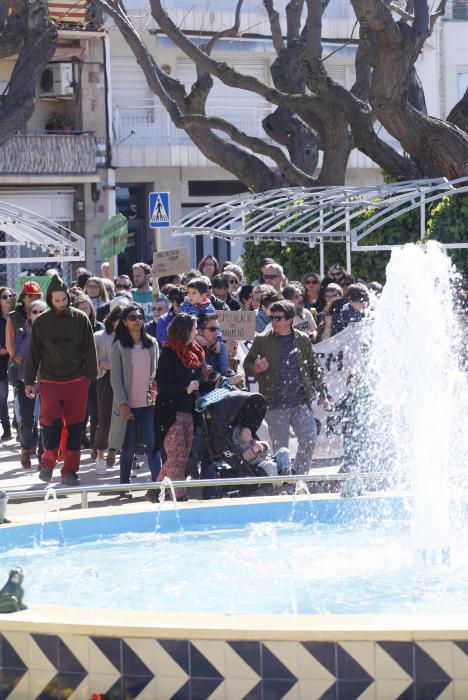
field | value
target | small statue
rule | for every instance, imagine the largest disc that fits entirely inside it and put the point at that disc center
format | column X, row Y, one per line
column 11, row 595
column 3, row 505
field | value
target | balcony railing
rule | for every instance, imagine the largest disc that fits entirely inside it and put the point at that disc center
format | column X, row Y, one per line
column 49, row 154
column 147, row 121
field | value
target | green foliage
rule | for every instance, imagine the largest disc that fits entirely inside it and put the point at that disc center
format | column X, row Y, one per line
column 448, row 224
column 446, row 221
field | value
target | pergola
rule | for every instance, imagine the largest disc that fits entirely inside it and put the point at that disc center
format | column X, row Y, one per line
column 39, row 239
column 319, row 215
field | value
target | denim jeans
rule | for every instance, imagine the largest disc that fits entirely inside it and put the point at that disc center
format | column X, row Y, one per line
column 280, row 462
column 302, row 421
column 143, row 416
column 4, row 417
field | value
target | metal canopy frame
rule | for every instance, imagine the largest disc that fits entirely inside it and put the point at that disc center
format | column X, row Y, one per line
column 318, row 215
column 47, row 240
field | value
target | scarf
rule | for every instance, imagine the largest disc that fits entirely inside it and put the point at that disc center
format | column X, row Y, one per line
column 192, row 356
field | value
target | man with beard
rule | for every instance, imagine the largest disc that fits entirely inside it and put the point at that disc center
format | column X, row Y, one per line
column 62, row 350
column 142, row 293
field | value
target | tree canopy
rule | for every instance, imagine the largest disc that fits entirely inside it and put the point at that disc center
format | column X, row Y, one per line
column 312, row 112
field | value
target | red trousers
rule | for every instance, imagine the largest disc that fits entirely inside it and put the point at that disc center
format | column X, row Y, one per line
column 63, row 404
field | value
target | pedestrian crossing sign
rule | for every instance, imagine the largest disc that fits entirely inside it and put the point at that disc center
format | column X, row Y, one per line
column 159, row 210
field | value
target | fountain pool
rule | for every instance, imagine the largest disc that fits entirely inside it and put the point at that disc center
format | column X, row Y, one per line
column 161, row 626
column 263, row 599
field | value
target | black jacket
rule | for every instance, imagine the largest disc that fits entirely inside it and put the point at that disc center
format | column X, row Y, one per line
column 172, row 379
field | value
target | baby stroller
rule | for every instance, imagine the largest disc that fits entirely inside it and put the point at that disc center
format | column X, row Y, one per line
column 222, row 410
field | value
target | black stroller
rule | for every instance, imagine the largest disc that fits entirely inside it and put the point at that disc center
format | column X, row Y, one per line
column 222, row 410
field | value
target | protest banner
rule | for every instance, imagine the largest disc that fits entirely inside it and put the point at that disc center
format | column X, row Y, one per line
column 237, row 325
column 170, row 262
column 338, row 356
column 114, row 236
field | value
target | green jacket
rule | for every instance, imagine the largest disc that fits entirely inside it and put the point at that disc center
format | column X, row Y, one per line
column 62, row 347
column 268, row 345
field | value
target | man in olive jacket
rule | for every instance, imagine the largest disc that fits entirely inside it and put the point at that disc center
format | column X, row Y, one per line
column 289, row 377
column 63, row 352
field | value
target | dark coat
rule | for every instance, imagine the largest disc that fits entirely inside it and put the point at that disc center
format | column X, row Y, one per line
column 172, row 379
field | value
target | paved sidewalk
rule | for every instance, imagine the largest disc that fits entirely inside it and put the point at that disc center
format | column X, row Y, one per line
column 13, row 477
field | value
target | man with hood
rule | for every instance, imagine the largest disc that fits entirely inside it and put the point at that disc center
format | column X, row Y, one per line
column 63, row 352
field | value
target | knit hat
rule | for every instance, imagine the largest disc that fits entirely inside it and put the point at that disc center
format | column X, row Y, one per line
column 31, row 287
column 56, row 285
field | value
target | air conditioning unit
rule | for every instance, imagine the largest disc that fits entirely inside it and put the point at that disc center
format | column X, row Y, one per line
column 57, row 80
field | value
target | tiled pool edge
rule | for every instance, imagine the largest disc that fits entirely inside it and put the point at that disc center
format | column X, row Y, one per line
column 37, row 664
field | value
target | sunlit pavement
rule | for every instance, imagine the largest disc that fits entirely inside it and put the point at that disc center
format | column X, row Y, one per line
column 13, row 477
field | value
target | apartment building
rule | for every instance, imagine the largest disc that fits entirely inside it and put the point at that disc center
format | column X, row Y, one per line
column 58, row 165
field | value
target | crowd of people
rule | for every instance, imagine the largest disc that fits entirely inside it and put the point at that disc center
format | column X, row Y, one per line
column 117, row 365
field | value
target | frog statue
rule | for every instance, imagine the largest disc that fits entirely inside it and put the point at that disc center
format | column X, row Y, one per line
column 11, row 595
column 3, row 504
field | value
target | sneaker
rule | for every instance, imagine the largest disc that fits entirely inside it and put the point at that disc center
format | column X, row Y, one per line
column 125, row 494
column 101, row 466
column 152, row 495
column 70, row 479
column 25, row 459
column 45, row 475
column 110, row 461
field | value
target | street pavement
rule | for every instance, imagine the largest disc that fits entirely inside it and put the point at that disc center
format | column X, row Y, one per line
column 13, row 477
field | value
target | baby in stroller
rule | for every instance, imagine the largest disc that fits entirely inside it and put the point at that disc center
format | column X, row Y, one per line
column 255, row 452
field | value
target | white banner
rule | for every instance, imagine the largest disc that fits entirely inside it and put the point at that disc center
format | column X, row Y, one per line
column 338, row 356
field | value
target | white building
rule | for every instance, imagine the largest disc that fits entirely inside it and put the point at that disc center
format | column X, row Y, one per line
column 150, row 154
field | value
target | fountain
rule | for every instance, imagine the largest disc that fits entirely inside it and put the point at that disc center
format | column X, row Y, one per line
column 302, row 597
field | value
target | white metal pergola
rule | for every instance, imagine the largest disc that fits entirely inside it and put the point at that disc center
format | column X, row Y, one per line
column 316, row 216
column 38, row 239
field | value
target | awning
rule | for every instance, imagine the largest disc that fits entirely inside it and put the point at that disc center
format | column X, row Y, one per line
column 44, row 240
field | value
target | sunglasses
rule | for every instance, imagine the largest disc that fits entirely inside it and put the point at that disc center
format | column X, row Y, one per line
column 122, row 286
column 34, row 313
column 270, row 277
column 134, row 317
column 233, row 282
column 311, row 282
column 277, row 318
column 7, row 296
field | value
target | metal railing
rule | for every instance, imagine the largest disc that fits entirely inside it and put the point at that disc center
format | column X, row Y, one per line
column 147, row 121
column 193, row 483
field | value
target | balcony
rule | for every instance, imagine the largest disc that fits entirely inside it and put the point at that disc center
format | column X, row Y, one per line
column 146, row 137
column 147, row 122
column 40, row 154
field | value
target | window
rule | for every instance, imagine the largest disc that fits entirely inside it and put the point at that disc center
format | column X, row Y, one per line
column 462, row 83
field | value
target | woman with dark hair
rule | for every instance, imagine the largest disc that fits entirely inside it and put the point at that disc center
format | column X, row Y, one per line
column 246, row 297
column 134, row 356
column 209, row 266
column 178, row 376
column 105, row 395
column 311, row 281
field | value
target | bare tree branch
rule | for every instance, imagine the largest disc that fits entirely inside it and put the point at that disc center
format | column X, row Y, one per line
column 37, row 39
column 293, row 20
column 233, row 31
column 275, row 26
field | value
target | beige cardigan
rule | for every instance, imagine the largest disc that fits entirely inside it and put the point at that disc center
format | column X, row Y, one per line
column 121, row 380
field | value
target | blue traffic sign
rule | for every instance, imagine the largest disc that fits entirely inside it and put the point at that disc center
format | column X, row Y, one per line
column 159, row 215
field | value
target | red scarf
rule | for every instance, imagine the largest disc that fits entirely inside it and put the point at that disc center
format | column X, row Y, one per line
column 192, row 356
